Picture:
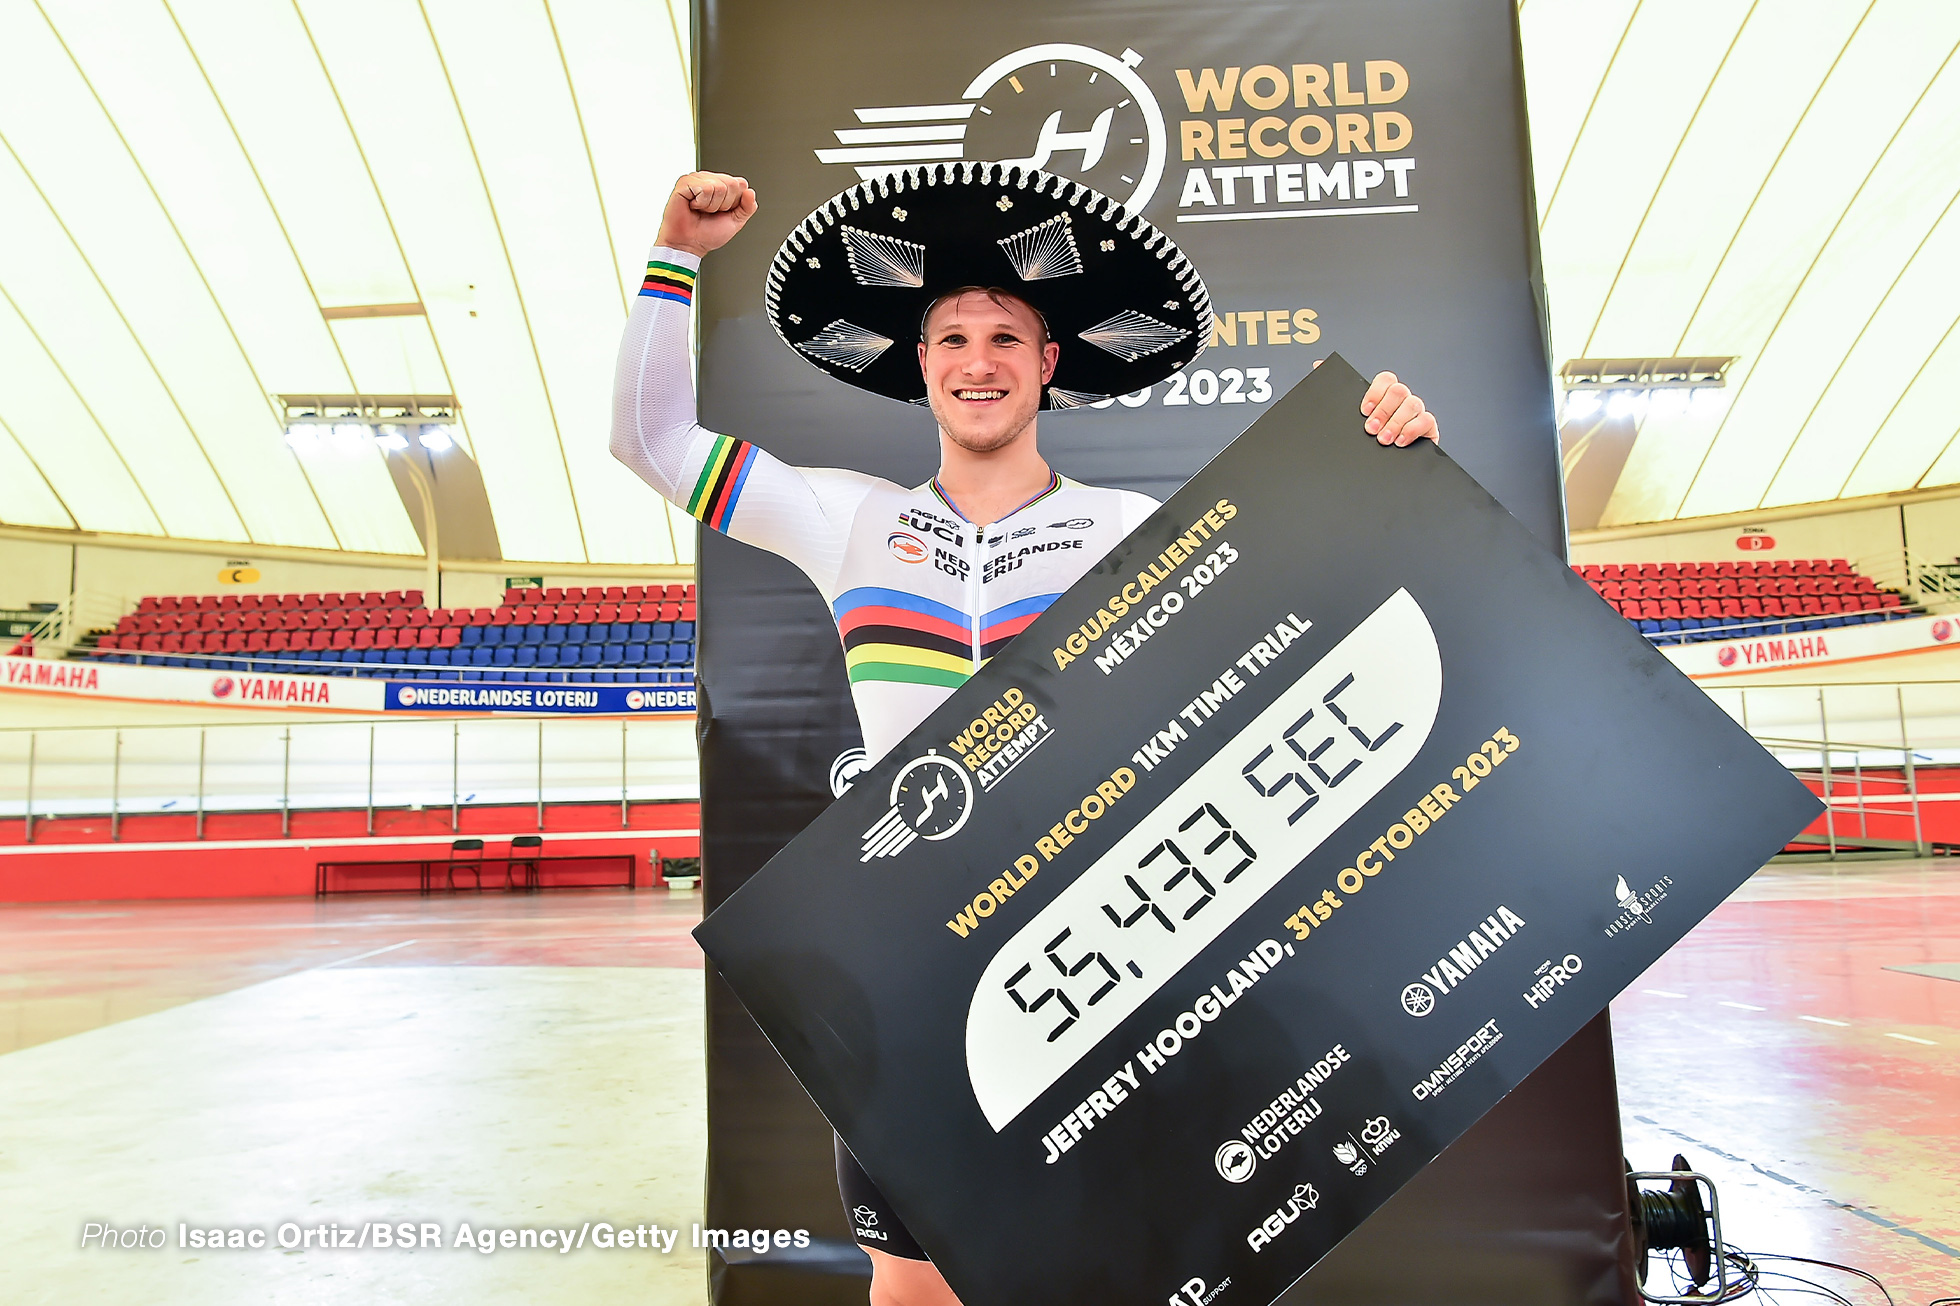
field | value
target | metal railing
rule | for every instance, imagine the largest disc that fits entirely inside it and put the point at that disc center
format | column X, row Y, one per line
column 1865, row 748
column 363, row 764
column 72, row 618
column 1929, row 582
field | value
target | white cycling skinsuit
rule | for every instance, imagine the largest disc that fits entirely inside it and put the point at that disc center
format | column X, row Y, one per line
column 921, row 597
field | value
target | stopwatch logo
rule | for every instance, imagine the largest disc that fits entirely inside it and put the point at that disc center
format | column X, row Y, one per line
column 1060, row 107
column 931, row 799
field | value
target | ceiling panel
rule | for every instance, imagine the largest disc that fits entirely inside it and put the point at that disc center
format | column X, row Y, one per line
column 26, row 498
column 413, row 137
column 54, row 428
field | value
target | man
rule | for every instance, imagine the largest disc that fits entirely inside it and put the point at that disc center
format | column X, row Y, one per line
column 991, row 270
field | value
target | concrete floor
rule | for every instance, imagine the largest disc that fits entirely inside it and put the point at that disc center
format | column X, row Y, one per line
column 535, row 1062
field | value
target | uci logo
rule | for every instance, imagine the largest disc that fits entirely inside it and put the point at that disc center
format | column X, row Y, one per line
column 907, row 548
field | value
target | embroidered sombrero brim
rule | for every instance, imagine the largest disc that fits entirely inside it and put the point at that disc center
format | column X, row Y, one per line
column 849, row 288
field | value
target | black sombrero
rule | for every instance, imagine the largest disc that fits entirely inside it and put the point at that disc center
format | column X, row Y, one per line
column 850, row 286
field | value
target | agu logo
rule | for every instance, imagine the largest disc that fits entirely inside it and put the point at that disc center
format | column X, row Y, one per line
column 1726, row 657
column 222, row 687
column 907, row 548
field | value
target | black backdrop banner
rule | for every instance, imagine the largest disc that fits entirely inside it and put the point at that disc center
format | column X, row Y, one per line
column 1346, row 174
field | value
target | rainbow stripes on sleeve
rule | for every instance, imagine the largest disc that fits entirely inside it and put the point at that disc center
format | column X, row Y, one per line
column 668, row 281
column 719, row 487
column 891, row 635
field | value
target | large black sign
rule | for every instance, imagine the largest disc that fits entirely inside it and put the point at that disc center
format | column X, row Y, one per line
column 1288, row 841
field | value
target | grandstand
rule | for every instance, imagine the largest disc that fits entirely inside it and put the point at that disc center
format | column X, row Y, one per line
column 598, row 634
column 1687, row 602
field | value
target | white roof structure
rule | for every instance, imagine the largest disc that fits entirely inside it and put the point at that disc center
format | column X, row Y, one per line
column 207, row 203
column 1772, row 180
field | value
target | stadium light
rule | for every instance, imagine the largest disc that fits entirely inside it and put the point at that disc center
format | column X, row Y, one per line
column 354, row 422
column 1633, row 387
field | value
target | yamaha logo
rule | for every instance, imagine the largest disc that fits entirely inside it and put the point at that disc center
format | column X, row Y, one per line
column 845, row 769
column 1726, row 656
column 222, row 687
column 1418, row 1000
column 907, row 548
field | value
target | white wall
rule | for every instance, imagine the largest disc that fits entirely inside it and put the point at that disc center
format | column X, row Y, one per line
column 1851, row 535
column 33, row 572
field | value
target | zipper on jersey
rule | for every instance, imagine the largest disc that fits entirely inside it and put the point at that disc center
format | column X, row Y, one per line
column 976, row 597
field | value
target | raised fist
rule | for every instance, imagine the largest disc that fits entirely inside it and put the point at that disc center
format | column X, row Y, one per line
column 705, row 211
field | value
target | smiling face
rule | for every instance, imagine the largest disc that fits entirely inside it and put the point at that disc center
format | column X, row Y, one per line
column 985, row 361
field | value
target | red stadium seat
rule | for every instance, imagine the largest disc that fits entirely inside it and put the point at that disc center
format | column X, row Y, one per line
column 385, row 637
column 615, row 594
column 503, row 616
column 608, row 613
column 451, row 636
column 636, row 593
column 554, row 596
column 149, row 603
column 1670, row 571
column 532, row 596
column 255, row 642
column 428, row 636
column 512, row 594
column 412, row 599
column 587, row 613
column 397, row 617
column 481, row 617
column 364, row 638
column 249, row 602
column 340, row 639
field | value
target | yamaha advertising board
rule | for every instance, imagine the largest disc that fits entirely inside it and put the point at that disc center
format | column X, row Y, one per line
column 1274, row 853
column 1346, row 174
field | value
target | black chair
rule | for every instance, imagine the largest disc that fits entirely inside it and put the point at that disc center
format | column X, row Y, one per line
column 473, row 864
column 525, row 850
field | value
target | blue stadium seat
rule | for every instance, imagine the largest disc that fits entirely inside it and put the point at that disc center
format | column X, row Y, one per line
column 589, row 655
column 684, row 630
column 640, row 632
column 635, row 655
column 548, row 655
column 524, row 655
column 577, row 633
column 472, row 635
column 480, row 656
column 555, row 633
column 661, row 633
column 530, row 634
column 612, row 655
column 503, row 655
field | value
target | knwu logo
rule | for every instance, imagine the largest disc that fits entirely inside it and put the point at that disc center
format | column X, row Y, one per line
column 1060, row 107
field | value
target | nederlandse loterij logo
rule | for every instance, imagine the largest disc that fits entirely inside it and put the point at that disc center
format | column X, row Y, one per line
column 931, row 798
column 1063, row 108
column 1236, row 1162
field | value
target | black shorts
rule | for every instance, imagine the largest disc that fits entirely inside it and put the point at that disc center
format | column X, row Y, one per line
column 873, row 1223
